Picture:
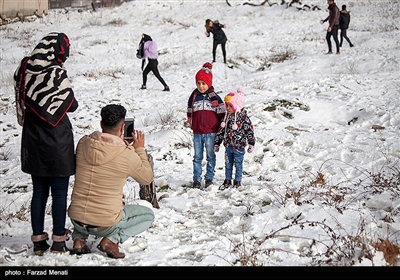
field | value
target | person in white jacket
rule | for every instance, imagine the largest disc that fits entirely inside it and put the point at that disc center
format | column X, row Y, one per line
column 150, row 52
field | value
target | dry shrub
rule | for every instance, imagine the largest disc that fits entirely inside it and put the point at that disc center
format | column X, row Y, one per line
column 390, row 251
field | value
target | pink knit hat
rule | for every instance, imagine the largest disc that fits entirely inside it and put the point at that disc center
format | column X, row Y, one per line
column 236, row 101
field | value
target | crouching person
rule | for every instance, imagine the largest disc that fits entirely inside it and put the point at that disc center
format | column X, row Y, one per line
column 104, row 160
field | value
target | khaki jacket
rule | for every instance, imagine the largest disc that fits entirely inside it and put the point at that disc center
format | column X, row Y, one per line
column 103, row 163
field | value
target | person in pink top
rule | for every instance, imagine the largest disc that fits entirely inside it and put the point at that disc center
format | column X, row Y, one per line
column 150, row 52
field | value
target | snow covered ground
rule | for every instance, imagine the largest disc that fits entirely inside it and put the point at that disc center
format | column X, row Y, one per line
column 322, row 185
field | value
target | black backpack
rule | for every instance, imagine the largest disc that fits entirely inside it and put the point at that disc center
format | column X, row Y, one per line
column 139, row 52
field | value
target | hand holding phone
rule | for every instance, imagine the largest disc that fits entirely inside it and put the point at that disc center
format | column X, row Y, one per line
column 129, row 128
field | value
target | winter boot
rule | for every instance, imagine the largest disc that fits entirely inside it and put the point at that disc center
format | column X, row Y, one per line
column 226, row 184
column 59, row 245
column 40, row 244
column 236, row 184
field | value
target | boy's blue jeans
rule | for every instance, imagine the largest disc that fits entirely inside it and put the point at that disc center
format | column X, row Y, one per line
column 234, row 157
column 135, row 219
column 201, row 141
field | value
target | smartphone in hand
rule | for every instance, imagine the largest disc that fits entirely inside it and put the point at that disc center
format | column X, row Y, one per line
column 129, row 128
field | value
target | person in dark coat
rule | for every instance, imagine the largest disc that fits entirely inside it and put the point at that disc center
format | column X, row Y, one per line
column 333, row 27
column 344, row 21
column 44, row 97
column 220, row 38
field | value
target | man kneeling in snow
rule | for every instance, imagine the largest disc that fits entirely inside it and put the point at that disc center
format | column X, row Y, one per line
column 104, row 160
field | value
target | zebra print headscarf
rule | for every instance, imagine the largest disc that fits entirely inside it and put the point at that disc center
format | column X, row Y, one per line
column 41, row 83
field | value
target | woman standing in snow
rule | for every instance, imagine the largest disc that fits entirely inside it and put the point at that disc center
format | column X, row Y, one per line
column 43, row 98
column 220, row 38
column 150, row 52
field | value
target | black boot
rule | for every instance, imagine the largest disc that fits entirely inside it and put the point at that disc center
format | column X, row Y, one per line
column 59, row 242
column 226, row 184
column 59, row 247
column 40, row 244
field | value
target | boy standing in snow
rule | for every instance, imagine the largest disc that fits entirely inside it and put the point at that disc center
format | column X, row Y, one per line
column 235, row 132
column 205, row 111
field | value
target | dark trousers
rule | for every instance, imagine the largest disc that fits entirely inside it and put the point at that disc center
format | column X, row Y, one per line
column 214, row 51
column 343, row 34
column 41, row 190
column 334, row 33
column 152, row 66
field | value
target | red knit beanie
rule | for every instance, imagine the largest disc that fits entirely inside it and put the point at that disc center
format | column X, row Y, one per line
column 205, row 74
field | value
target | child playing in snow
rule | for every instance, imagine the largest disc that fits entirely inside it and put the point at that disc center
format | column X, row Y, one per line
column 205, row 112
column 235, row 132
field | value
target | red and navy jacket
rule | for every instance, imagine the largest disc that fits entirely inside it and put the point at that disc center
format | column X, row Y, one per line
column 205, row 117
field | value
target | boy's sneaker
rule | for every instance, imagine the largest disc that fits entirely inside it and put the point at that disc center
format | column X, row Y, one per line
column 208, row 183
column 196, row 185
column 226, row 184
column 236, row 184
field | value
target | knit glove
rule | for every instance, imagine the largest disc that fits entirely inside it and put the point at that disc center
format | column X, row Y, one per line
column 215, row 103
column 216, row 148
column 250, row 149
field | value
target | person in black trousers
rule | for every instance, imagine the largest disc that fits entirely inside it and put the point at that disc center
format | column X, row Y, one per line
column 220, row 38
column 344, row 21
column 150, row 52
column 333, row 27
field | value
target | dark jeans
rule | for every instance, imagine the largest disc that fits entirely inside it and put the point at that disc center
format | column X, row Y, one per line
column 334, row 33
column 41, row 190
column 343, row 34
column 152, row 66
column 214, row 51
